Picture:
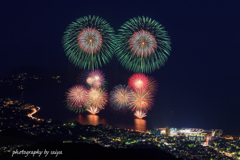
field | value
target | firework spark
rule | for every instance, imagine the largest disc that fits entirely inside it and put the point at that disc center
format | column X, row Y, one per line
column 76, row 98
column 140, row 114
column 120, row 97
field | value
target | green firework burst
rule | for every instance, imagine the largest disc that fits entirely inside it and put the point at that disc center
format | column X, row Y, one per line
column 142, row 45
column 89, row 42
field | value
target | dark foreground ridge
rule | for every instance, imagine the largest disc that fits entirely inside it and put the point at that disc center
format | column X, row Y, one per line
column 77, row 151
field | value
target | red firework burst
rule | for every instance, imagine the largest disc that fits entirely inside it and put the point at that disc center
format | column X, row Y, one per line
column 143, row 43
column 138, row 82
column 90, row 40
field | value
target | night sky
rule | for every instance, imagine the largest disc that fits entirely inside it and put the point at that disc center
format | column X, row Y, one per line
column 199, row 84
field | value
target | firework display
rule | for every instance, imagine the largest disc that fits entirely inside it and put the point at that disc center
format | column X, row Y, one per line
column 91, row 98
column 137, row 96
column 76, row 98
column 142, row 45
column 89, row 42
column 79, row 98
column 120, row 97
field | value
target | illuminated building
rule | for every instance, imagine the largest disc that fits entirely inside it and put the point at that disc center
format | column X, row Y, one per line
column 156, row 132
column 217, row 132
column 199, row 137
column 167, row 130
column 147, row 131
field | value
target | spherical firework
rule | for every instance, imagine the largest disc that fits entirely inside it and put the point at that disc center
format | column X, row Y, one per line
column 120, row 97
column 95, row 78
column 96, row 99
column 143, row 45
column 142, row 42
column 138, row 82
column 89, row 42
column 76, row 98
column 141, row 101
column 140, row 114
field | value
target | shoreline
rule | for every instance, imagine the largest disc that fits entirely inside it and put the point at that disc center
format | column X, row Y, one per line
column 90, row 119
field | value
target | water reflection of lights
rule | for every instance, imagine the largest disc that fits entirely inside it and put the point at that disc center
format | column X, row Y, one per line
column 140, row 124
column 103, row 121
column 91, row 120
column 80, row 119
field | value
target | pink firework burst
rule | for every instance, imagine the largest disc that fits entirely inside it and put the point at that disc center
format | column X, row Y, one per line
column 120, row 97
column 143, row 43
column 76, row 97
column 90, row 40
column 142, row 101
column 96, row 99
column 138, row 82
column 95, row 78
column 140, row 114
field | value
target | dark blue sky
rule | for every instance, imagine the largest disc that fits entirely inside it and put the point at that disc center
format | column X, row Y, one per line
column 198, row 86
